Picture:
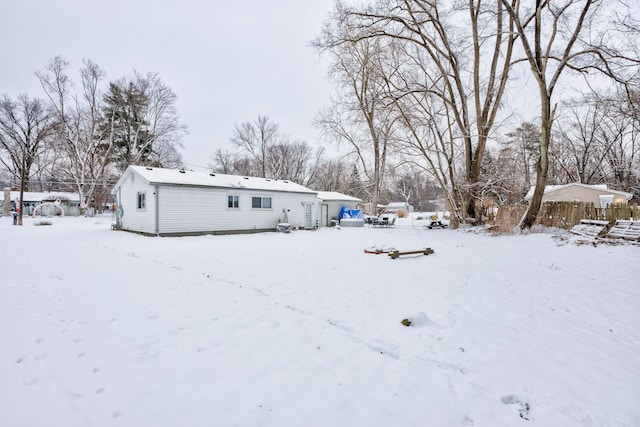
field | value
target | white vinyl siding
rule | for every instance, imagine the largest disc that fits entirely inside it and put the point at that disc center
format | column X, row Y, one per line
column 195, row 209
column 134, row 219
column 334, row 207
column 205, row 210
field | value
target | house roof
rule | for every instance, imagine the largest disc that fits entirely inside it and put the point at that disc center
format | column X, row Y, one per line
column 397, row 205
column 215, row 180
column 35, row 196
column 552, row 188
column 334, row 196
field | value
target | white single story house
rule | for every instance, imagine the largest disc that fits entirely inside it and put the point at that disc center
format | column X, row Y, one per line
column 394, row 207
column 68, row 202
column 330, row 204
column 599, row 195
column 172, row 202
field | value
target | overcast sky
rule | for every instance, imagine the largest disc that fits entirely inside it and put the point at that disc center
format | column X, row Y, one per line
column 228, row 61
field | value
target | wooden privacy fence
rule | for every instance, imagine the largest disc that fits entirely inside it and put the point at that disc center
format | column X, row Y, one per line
column 565, row 214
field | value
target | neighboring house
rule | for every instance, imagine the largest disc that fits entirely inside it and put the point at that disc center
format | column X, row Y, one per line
column 599, row 195
column 366, row 208
column 175, row 202
column 394, row 207
column 330, row 205
column 69, row 202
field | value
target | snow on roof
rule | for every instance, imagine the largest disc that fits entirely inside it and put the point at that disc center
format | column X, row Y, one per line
column 552, row 188
column 397, row 204
column 34, row 196
column 335, row 196
column 206, row 179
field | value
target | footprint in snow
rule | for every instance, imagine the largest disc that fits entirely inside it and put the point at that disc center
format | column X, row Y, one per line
column 523, row 407
column 31, row 382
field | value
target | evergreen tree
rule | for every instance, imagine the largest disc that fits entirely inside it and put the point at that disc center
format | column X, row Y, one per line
column 124, row 111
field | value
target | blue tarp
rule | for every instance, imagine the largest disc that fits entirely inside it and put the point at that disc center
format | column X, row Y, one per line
column 345, row 212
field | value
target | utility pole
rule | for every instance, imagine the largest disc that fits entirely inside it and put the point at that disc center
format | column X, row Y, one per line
column 20, row 204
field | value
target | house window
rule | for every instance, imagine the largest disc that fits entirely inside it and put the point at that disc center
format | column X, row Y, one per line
column 233, row 202
column 142, row 200
column 261, row 202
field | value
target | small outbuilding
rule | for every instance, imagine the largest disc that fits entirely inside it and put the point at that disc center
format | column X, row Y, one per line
column 394, row 207
column 330, row 204
column 599, row 195
column 172, row 202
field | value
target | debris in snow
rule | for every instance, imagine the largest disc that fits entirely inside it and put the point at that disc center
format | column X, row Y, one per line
column 511, row 399
column 379, row 249
column 420, row 319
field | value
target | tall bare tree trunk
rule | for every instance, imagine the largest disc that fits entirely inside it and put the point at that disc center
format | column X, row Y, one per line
column 542, row 166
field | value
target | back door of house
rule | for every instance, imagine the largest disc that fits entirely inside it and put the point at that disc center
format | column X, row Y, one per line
column 308, row 217
column 324, row 215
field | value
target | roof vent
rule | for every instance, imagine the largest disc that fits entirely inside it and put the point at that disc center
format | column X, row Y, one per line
column 246, row 177
column 286, row 182
column 149, row 169
column 212, row 174
column 181, row 171
column 267, row 179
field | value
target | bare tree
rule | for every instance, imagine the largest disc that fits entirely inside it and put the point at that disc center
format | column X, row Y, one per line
column 25, row 126
column 78, row 128
column 359, row 115
column 465, row 52
column 262, row 150
column 584, row 140
column 623, row 127
column 428, row 143
column 293, row 160
column 336, row 175
column 562, row 35
column 256, row 139
column 233, row 163
column 403, row 183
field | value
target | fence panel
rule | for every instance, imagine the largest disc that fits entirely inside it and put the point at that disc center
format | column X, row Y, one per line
column 565, row 214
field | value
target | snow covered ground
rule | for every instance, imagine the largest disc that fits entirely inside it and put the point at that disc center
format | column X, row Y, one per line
column 102, row 328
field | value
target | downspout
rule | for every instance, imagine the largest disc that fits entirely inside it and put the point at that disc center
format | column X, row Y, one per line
column 119, row 209
column 157, row 225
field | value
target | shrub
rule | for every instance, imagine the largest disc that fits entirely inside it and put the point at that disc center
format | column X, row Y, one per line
column 401, row 213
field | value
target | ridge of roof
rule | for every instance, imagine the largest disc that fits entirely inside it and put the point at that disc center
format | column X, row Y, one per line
column 336, row 196
column 209, row 179
column 555, row 187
